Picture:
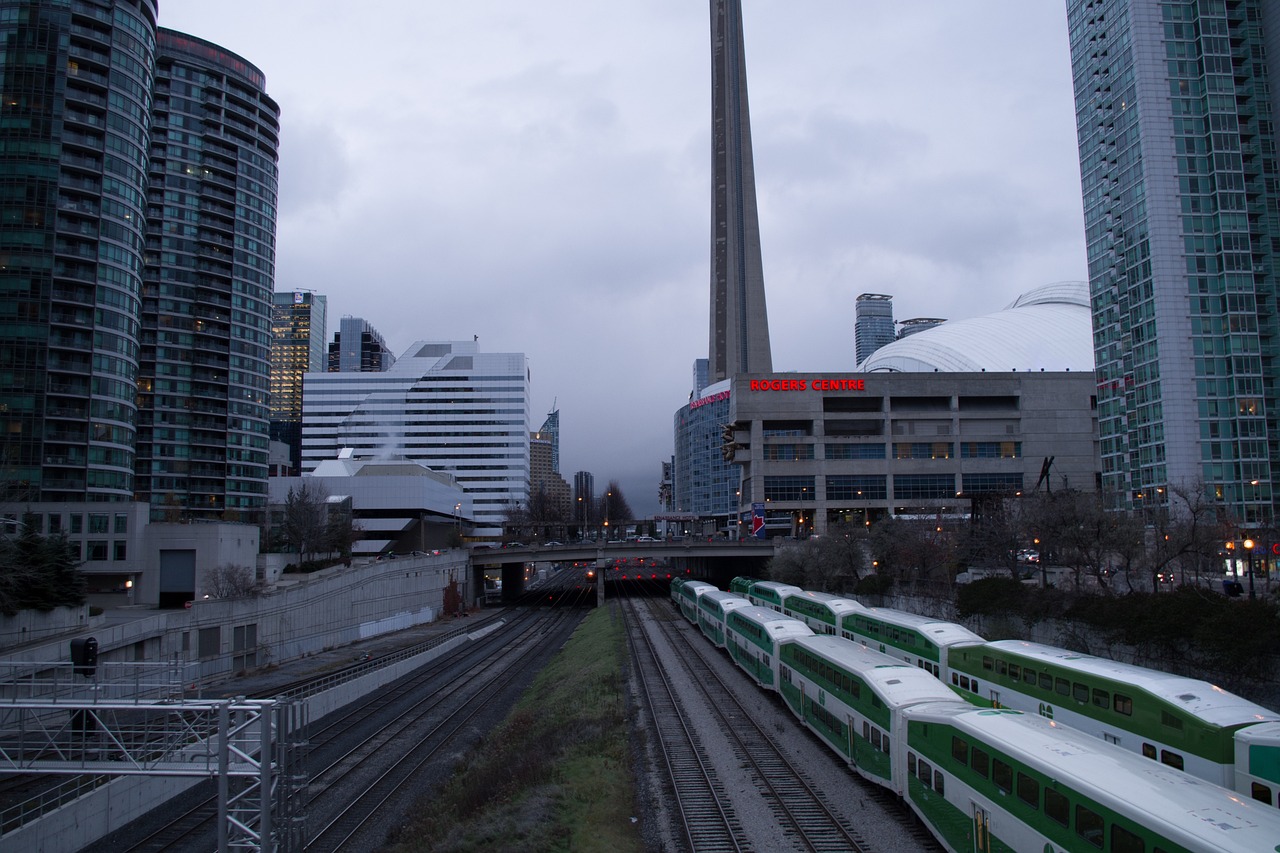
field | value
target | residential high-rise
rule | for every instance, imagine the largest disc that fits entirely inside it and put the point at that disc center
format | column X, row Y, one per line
column 74, row 147
column 739, row 322
column 358, row 347
column 584, row 496
column 205, row 354
column 548, row 491
column 916, row 325
column 872, row 324
column 551, row 432
column 443, row 403
column 1175, row 108
column 297, row 348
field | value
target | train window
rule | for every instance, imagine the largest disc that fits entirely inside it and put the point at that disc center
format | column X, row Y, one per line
column 964, row 682
column 1122, row 704
column 1002, row 668
column 1015, row 672
column 866, row 730
column 1056, row 806
column 1089, row 826
column 937, row 781
column 1124, row 841
column 926, row 772
column 1101, row 698
column 937, row 671
column 1080, row 692
column 1002, row 775
column 1261, row 793
column 875, row 738
column 1170, row 720
column 980, row 762
column 1062, row 687
column 911, row 764
column 987, row 662
column 1172, row 759
column 884, row 744
column 1148, row 751
column 955, row 679
column 1029, row 675
column 960, row 750
column 973, row 685
column 1029, row 790
column 1046, row 681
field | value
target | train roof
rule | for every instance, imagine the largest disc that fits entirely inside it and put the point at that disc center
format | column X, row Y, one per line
column 777, row 586
column 699, row 587
column 898, row 684
column 1187, row 809
column 724, row 597
column 775, row 624
column 940, row 632
column 1199, row 698
column 828, row 598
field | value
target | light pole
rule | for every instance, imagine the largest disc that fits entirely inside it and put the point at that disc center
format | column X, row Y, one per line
column 1248, row 546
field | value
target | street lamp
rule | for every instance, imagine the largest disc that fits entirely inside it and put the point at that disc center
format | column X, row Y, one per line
column 1248, row 546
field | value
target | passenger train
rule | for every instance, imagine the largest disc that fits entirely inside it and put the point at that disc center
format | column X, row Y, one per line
column 986, row 778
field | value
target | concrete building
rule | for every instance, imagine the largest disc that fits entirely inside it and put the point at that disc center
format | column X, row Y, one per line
column 872, row 323
column 1176, row 107
column 298, row 326
column 968, row 409
column 398, row 505
column 445, row 404
column 358, row 347
column 739, row 322
column 549, row 497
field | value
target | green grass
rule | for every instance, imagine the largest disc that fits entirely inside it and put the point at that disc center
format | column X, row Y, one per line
column 556, row 775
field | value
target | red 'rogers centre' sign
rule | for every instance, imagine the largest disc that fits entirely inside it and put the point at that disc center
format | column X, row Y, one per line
column 808, row 385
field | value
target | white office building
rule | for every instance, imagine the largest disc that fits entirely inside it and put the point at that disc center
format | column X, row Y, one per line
column 444, row 404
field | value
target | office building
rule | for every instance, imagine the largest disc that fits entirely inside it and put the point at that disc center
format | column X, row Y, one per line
column 584, row 497
column 548, row 492
column 872, row 324
column 550, row 431
column 297, row 348
column 205, row 358
column 739, row 322
column 442, row 403
column 704, row 483
column 1176, row 106
column 358, row 347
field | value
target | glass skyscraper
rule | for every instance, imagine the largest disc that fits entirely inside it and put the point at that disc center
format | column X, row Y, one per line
column 872, row 324
column 74, row 144
column 1175, row 106
column 297, row 347
column 210, row 268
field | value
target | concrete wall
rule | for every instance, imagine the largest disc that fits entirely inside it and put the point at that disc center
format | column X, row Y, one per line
column 30, row 626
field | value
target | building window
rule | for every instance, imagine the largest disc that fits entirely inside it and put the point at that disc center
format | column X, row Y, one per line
column 97, row 550
column 97, row 522
column 990, row 449
column 121, row 523
column 210, row 642
column 789, row 489
column 118, row 550
column 851, row 487
column 924, row 486
column 855, row 451
column 77, row 522
column 988, row 484
column 55, row 523
column 788, row 452
column 923, row 450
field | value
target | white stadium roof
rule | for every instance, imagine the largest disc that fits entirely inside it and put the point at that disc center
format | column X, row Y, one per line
column 1048, row 328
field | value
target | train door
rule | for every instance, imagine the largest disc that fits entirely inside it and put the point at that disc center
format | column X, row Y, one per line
column 981, row 830
column 995, row 698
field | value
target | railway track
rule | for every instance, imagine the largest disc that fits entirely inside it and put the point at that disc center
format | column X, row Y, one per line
column 798, row 805
column 350, row 767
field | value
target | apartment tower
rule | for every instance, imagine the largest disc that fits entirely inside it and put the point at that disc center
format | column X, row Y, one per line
column 1175, row 108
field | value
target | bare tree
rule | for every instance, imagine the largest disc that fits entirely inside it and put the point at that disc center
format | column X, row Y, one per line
column 229, row 581
column 304, row 519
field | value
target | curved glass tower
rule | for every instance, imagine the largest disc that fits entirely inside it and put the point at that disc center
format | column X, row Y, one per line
column 206, row 312
column 76, row 80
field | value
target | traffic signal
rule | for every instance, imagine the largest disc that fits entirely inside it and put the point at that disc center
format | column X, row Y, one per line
column 84, row 655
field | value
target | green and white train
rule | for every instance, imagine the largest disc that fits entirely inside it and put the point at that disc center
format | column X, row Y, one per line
column 713, row 606
column 918, row 640
column 771, row 594
column 687, row 595
column 988, row 780
column 821, row 611
column 1182, row 722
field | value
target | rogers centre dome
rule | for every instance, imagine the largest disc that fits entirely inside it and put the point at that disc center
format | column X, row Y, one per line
column 1049, row 328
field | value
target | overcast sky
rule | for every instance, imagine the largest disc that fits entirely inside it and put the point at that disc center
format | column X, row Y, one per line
column 538, row 174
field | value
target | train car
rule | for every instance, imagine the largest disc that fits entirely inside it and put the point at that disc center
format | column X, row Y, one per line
column 821, row 611
column 741, row 585
column 1001, row 780
column 752, row 635
column 919, row 640
column 1182, row 722
column 674, row 590
column 852, row 698
column 712, row 608
column 770, row 594
column 1258, row 762
column 690, row 592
